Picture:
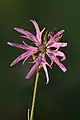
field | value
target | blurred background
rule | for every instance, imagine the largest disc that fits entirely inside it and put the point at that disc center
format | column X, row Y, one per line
column 60, row 99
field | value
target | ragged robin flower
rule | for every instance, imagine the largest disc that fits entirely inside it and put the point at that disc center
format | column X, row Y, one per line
column 44, row 44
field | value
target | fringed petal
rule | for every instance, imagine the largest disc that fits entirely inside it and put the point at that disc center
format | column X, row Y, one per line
column 38, row 33
column 21, row 57
column 57, row 45
column 55, row 59
column 58, row 53
column 26, row 34
column 25, row 47
column 55, row 38
column 63, row 68
column 50, row 56
column 33, row 69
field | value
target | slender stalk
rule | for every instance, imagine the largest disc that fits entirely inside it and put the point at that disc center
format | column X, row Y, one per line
column 34, row 95
column 28, row 113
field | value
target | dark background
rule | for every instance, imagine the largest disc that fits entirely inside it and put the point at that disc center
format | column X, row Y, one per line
column 60, row 99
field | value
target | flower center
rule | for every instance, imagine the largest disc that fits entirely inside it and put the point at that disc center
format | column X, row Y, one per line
column 42, row 48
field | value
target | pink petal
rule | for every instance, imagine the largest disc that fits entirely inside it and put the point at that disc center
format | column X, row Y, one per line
column 22, row 56
column 46, row 72
column 38, row 34
column 53, row 38
column 25, row 47
column 57, row 45
column 59, row 53
column 50, row 56
column 29, row 54
column 55, row 59
column 33, row 69
column 63, row 68
column 58, row 34
column 44, row 61
column 50, row 41
column 27, row 34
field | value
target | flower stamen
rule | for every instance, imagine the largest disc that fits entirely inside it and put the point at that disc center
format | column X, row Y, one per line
column 42, row 49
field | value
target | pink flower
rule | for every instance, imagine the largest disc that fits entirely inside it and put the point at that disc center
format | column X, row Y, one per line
column 42, row 46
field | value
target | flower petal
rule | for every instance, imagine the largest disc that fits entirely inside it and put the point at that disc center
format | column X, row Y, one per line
column 22, row 56
column 25, row 47
column 27, row 34
column 59, row 53
column 38, row 33
column 44, row 61
column 29, row 54
column 57, row 45
column 46, row 72
column 50, row 56
column 55, row 59
column 63, row 68
column 33, row 69
column 58, row 34
column 50, row 41
column 55, row 37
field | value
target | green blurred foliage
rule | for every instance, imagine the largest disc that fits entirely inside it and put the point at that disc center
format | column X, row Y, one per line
column 60, row 99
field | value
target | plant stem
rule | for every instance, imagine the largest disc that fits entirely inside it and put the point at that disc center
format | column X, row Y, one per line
column 28, row 113
column 34, row 95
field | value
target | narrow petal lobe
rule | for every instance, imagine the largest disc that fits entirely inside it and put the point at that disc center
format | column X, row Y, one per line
column 63, row 68
column 38, row 33
column 27, row 34
column 33, row 69
column 57, row 45
column 25, row 47
column 21, row 57
column 59, row 53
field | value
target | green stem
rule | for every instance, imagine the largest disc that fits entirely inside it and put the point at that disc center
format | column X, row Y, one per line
column 28, row 113
column 34, row 95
